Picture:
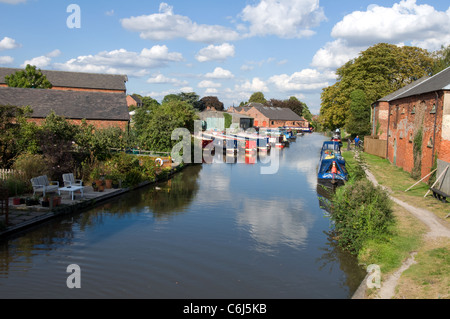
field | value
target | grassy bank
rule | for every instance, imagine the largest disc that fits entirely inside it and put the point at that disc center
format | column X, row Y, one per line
column 430, row 276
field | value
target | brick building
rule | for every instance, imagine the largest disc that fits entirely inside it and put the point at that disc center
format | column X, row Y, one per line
column 77, row 81
column 273, row 117
column 133, row 100
column 97, row 108
column 421, row 109
column 98, row 98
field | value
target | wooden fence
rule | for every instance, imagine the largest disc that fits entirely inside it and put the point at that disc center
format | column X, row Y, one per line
column 375, row 146
column 5, row 173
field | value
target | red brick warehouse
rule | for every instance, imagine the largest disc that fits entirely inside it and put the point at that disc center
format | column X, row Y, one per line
column 416, row 114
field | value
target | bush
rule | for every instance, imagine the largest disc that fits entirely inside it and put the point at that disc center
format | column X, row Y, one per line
column 16, row 185
column 30, row 165
column 361, row 212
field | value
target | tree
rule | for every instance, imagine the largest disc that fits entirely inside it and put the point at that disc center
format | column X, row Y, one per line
column 211, row 102
column 156, row 133
column 378, row 71
column 442, row 59
column 257, row 97
column 11, row 119
column 28, row 78
column 358, row 121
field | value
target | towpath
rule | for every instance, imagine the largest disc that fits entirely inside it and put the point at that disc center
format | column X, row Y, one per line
column 436, row 229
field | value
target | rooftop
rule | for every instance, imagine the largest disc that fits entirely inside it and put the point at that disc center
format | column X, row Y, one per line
column 77, row 79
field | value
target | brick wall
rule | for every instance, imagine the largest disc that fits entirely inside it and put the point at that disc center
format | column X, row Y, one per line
column 406, row 117
column 60, row 88
column 380, row 116
column 99, row 124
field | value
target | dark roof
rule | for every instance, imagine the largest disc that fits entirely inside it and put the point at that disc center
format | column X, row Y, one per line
column 70, row 104
column 77, row 79
column 438, row 82
column 138, row 100
column 397, row 93
column 277, row 113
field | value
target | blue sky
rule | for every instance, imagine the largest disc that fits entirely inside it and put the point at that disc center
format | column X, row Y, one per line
column 228, row 49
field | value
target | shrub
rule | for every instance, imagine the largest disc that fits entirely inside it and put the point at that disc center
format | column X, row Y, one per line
column 30, row 165
column 16, row 185
column 361, row 212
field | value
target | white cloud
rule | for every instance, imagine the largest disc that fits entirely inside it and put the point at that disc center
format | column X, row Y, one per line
column 122, row 61
column 110, row 13
column 44, row 60
column 286, row 19
column 405, row 21
column 166, row 25
column 335, row 54
column 220, row 73
column 305, row 80
column 256, row 85
column 161, row 79
column 13, row 1
column 209, row 84
column 8, row 44
column 215, row 53
column 6, row 60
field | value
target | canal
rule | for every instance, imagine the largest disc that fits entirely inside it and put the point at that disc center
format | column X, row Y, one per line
column 220, row 230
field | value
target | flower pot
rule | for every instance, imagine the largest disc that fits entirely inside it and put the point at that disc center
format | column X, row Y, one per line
column 45, row 203
column 108, row 183
column 16, row 201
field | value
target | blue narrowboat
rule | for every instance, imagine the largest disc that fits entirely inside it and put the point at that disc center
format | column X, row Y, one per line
column 332, row 170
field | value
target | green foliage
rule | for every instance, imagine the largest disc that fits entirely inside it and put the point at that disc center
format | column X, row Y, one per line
column 16, row 185
column 30, row 165
column 416, row 172
column 257, row 97
column 361, row 212
column 28, row 78
column 358, row 120
column 378, row 71
column 228, row 120
column 156, row 130
column 442, row 59
column 11, row 140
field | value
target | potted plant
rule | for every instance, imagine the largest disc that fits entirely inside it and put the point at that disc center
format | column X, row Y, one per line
column 94, row 186
column 17, row 201
column 56, row 201
column 101, row 185
column 46, row 201
column 108, row 181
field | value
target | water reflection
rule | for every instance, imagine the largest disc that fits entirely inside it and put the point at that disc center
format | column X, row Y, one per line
column 220, row 230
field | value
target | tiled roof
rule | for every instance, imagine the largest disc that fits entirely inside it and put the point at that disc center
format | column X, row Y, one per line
column 277, row 113
column 70, row 104
column 77, row 79
column 440, row 81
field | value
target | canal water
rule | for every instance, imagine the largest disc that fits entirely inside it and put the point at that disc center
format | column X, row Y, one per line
column 220, row 230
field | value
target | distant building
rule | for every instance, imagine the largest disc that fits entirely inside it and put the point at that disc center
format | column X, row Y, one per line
column 271, row 117
column 99, row 109
column 133, row 100
column 212, row 120
column 98, row 98
column 77, row 81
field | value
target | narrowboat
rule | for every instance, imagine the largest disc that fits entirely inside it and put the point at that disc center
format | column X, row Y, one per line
column 332, row 171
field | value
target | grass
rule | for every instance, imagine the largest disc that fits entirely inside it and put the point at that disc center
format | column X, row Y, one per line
column 430, row 277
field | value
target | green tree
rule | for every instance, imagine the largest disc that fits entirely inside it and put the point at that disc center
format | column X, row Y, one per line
column 358, row 121
column 11, row 120
column 378, row 71
column 257, row 97
column 31, row 77
column 156, row 132
column 442, row 59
